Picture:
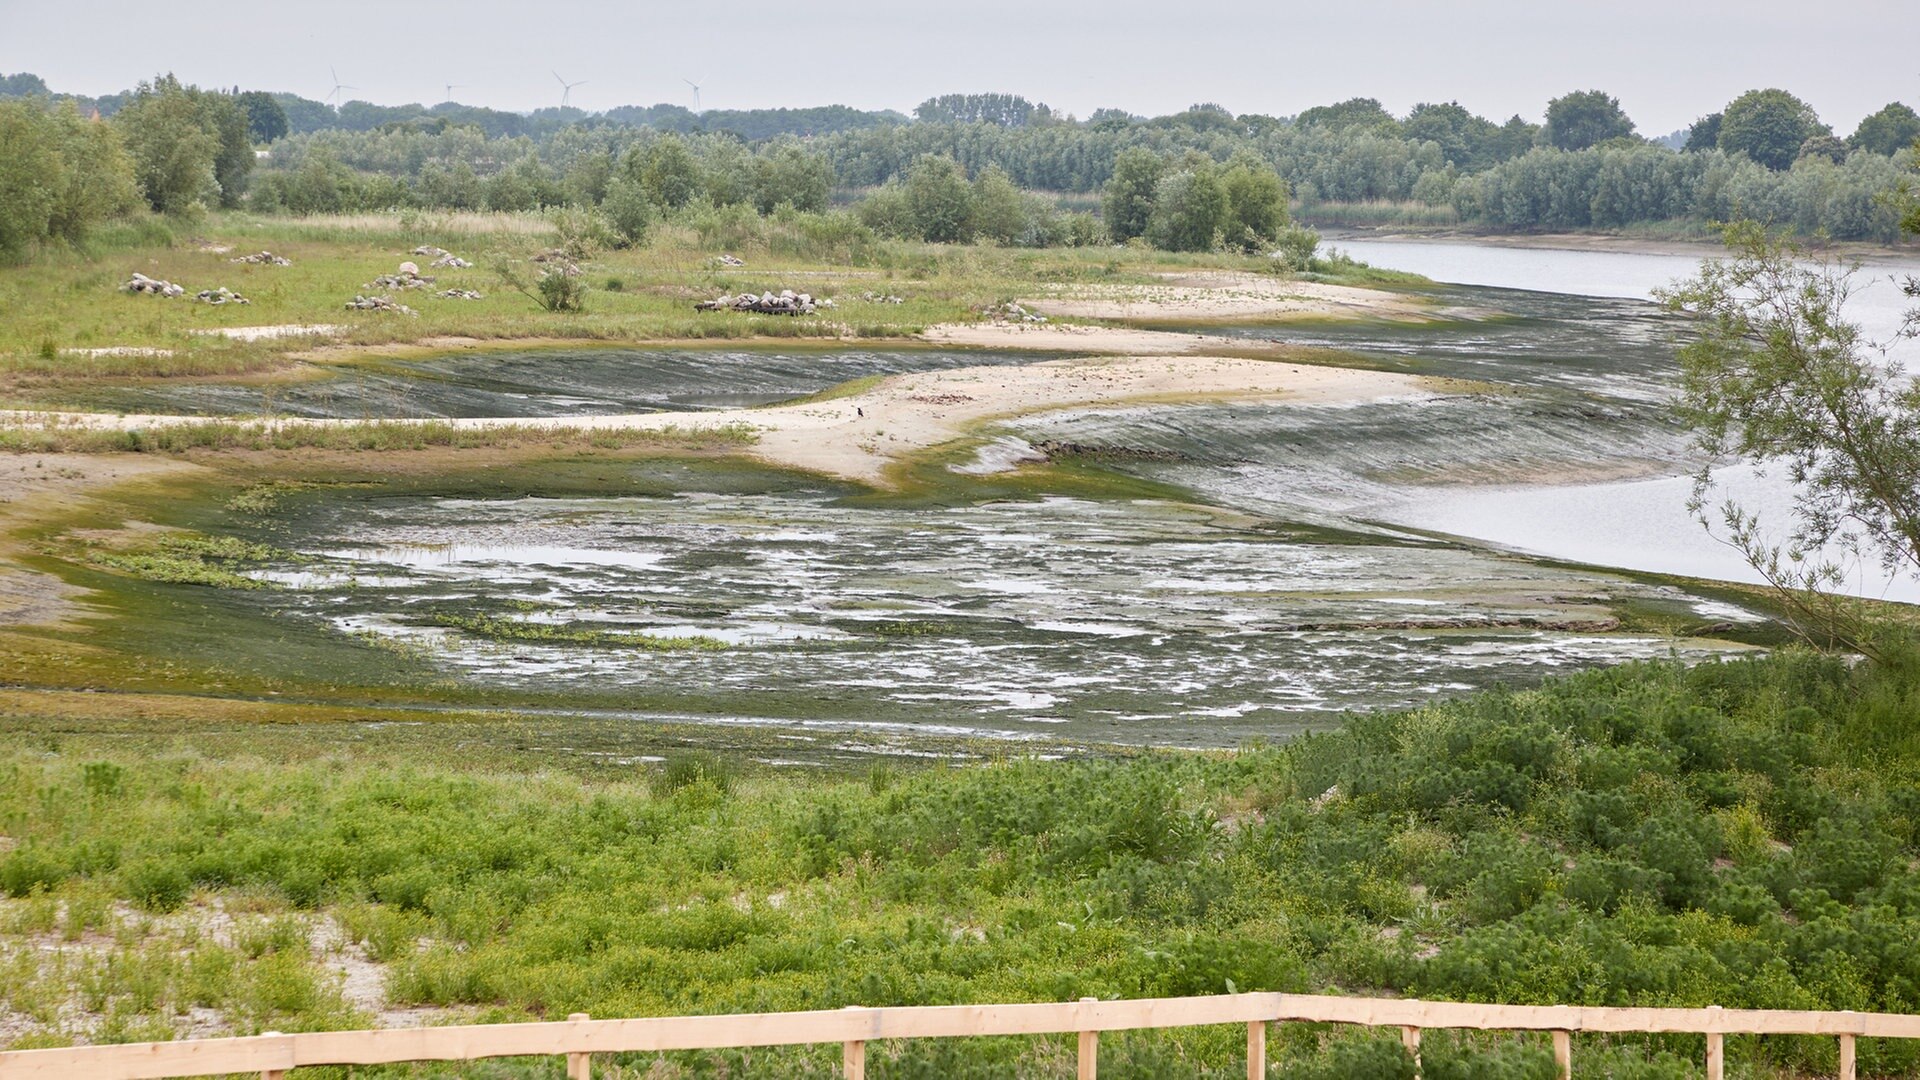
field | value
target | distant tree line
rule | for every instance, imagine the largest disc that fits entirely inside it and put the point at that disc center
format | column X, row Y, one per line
column 1200, row 178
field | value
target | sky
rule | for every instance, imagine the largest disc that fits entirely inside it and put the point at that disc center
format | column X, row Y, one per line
column 1668, row 62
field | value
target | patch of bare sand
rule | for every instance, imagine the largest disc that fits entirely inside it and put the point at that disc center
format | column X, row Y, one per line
column 861, row 436
column 31, row 484
column 1064, row 337
column 1225, row 294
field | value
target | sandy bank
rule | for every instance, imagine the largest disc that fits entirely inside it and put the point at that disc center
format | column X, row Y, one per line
column 1227, row 295
column 31, row 484
column 860, row 436
column 1694, row 248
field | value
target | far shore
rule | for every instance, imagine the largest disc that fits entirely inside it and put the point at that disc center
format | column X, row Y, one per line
column 1690, row 247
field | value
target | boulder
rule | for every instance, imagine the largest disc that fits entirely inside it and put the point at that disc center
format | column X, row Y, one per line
column 141, row 283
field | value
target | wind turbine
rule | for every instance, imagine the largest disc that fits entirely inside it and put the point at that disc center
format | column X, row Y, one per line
column 566, row 88
column 337, row 86
column 451, row 87
column 696, row 92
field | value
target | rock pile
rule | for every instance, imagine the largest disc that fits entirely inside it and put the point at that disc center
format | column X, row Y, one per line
column 141, row 283
column 442, row 258
column 882, row 298
column 264, row 258
column 405, row 279
column 378, row 303
column 221, row 295
column 1011, row 312
column 785, row 302
column 729, row 260
column 460, row 294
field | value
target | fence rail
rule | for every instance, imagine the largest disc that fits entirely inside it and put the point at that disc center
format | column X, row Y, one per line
column 578, row 1037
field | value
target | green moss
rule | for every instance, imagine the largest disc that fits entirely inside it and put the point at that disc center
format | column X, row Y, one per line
column 498, row 629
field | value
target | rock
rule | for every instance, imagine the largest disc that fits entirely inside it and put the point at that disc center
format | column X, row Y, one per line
column 429, row 250
column 141, row 283
column 402, row 280
column 221, row 295
column 378, row 303
column 448, row 260
column 1012, row 312
column 729, row 260
column 409, row 269
column 460, row 294
column 882, row 298
column 553, row 255
column 787, row 302
column 264, row 258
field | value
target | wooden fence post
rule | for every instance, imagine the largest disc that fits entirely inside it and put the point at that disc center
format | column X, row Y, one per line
column 1410, row 1038
column 1848, row 1069
column 1563, row 1053
column 1256, row 1050
column 1089, row 1050
column 1716, row 1052
column 853, row 1057
column 272, row 1074
column 579, row 1065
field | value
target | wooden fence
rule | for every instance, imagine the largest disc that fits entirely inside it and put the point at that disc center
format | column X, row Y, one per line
column 578, row 1038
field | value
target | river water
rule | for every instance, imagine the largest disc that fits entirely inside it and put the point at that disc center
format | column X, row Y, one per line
column 1642, row 523
column 1303, row 580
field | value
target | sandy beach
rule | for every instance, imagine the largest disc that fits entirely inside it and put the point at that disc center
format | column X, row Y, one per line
column 1201, row 296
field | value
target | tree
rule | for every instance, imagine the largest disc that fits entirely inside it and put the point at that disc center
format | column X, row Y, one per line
column 789, row 174
column 1704, row 134
column 1189, row 209
column 266, row 120
column 1889, row 131
column 1778, row 375
column 1464, row 139
column 30, row 172
column 1256, row 203
column 627, row 208
column 174, row 149
column 23, row 84
column 1585, row 118
column 1824, row 148
column 233, row 158
column 60, row 175
column 1768, row 126
column 668, row 171
column 1127, row 203
column 1366, row 114
column 939, row 199
column 1005, row 110
column 999, row 213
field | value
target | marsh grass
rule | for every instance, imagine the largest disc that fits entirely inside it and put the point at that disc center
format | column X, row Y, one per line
column 70, row 301
column 508, row 629
column 40, row 435
column 1644, row 835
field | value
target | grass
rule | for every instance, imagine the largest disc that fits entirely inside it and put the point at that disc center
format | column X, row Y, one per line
column 506, row 629
column 1741, row 833
column 38, row 435
column 70, row 301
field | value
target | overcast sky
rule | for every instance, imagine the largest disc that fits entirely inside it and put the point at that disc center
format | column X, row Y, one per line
column 1668, row 61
